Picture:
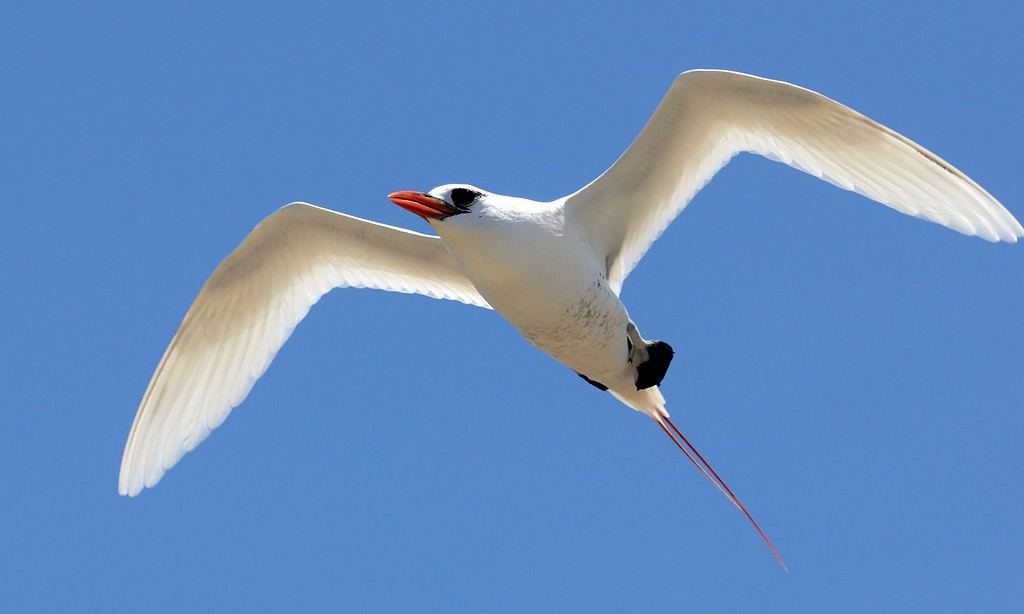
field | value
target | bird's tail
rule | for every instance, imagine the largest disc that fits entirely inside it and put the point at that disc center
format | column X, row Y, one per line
column 651, row 402
column 648, row 401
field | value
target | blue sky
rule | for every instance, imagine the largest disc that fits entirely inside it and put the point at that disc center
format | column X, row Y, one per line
column 853, row 374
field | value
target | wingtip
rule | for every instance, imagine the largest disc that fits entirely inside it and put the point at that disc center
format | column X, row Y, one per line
column 124, row 489
column 1011, row 230
column 122, row 481
column 1017, row 233
column 1012, row 236
column 130, row 483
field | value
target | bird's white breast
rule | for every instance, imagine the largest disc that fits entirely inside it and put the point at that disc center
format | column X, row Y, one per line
column 547, row 282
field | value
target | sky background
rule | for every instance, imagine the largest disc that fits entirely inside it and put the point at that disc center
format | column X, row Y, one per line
column 853, row 374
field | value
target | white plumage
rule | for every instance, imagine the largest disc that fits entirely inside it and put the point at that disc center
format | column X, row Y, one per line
column 249, row 307
column 709, row 116
column 554, row 270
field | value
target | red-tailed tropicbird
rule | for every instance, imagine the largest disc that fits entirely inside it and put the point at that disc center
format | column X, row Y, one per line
column 553, row 270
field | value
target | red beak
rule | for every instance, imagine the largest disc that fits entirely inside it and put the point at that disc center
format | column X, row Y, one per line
column 422, row 204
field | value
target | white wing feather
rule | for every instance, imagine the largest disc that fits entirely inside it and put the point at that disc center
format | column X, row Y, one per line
column 249, row 307
column 708, row 116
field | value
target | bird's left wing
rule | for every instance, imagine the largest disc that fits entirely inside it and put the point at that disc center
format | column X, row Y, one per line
column 708, row 116
column 249, row 307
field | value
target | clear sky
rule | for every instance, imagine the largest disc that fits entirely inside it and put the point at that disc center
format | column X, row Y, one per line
column 855, row 375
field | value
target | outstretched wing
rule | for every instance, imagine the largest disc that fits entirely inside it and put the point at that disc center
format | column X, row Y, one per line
column 708, row 116
column 249, row 307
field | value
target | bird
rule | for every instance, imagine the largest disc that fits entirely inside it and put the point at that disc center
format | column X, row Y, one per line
column 554, row 270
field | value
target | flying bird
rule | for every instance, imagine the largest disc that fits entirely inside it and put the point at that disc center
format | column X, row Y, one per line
column 553, row 270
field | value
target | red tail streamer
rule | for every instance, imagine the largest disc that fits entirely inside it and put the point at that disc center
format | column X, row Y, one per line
column 719, row 483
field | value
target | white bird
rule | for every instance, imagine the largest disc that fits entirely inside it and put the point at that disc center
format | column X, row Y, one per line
column 554, row 270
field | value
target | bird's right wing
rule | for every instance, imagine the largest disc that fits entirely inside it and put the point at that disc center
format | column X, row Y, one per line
column 709, row 116
column 249, row 307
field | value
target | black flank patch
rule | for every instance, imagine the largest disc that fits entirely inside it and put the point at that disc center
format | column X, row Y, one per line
column 597, row 385
column 653, row 371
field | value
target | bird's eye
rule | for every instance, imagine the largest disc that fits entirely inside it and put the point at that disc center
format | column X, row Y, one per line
column 463, row 197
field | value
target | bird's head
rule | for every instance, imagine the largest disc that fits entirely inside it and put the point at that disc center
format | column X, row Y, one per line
column 443, row 202
column 474, row 221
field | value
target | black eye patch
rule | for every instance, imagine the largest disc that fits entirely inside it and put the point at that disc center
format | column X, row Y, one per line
column 463, row 197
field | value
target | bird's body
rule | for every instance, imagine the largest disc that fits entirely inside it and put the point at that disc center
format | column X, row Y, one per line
column 536, row 269
column 554, row 270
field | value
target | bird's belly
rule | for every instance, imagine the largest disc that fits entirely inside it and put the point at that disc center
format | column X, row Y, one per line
column 582, row 326
column 554, row 292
